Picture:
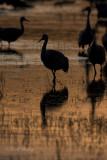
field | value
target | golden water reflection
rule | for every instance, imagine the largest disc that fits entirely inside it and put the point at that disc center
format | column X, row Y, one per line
column 37, row 119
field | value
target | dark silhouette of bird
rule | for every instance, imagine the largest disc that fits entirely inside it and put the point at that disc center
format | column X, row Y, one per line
column 104, row 39
column 86, row 35
column 102, row 13
column 0, row 38
column 96, row 54
column 12, row 34
column 52, row 59
column 102, row 9
column 103, row 23
column 100, row 5
column 1, row 1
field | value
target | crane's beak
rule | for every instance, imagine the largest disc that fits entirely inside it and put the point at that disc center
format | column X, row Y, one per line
column 40, row 40
column 27, row 20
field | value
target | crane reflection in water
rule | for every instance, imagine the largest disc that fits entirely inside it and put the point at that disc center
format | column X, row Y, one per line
column 95, row 91
column 52, row 100
column 14, row 54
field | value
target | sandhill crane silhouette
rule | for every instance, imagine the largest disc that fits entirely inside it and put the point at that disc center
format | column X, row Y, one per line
column 2, row 1
column 0, row 38
column 104, row 39
column 96, row 54
column 103, row 13
column 52, row 59
column 100, row 5
column 102, row 9
column 86, row 35
column 12, row 34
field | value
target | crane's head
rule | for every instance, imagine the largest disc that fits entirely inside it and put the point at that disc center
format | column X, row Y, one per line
column 23, row 19
column 44, row 37
column 87, row 9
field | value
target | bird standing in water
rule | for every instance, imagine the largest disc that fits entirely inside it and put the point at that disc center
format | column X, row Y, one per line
column 52, row 59
column 104, row 39
column 102, row 9
column 12, row 34
column 86, row 35
column 96, row 54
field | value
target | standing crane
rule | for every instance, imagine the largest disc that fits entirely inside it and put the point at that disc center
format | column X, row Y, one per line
column 52, row 59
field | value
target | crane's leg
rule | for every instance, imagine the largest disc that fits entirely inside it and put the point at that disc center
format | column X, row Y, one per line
column 54, row 77
column 79, row 53
column 83, row 49
column 1, row 43
column 79, row 48
column 54, row 84
column 94, row 71
column 101, row 72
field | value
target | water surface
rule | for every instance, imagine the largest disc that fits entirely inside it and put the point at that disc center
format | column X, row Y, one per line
column 37, row 122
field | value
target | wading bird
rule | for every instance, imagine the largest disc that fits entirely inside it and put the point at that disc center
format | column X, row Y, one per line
column 102, row 9
column 86, row 35
column 52, row 59
column 104, row 39
column 96, row 54
column 12, row 34
column 1, row 39
column 100, row 5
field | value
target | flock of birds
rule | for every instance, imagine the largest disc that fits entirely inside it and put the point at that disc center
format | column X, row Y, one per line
column 55, row 60
column 96, row 53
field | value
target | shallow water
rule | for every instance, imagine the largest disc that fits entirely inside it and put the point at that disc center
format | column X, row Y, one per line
column 35, row 121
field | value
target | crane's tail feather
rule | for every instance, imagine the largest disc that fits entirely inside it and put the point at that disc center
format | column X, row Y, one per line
column 66, row 65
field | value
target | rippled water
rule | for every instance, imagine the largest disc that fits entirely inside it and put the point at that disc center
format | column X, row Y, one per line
column 37, row 122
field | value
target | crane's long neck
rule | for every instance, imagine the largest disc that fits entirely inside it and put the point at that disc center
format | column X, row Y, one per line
column 22, row 27
column 44, row 47
column 88, row 22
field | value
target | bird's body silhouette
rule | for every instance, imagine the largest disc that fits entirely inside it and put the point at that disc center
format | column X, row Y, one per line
column 0, row 38
column 86, row 35
column 96, row 54
column 102, row 9
column 100, row 5
column 102, row 13
column 104, row 39
column 52, row 59
column 12, row 34
column 2, row 1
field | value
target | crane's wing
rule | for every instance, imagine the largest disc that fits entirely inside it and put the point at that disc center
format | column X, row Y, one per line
column 55, row 56
column 7, row 33
column 85, row 37
column 81, row 37
column 56, row 59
